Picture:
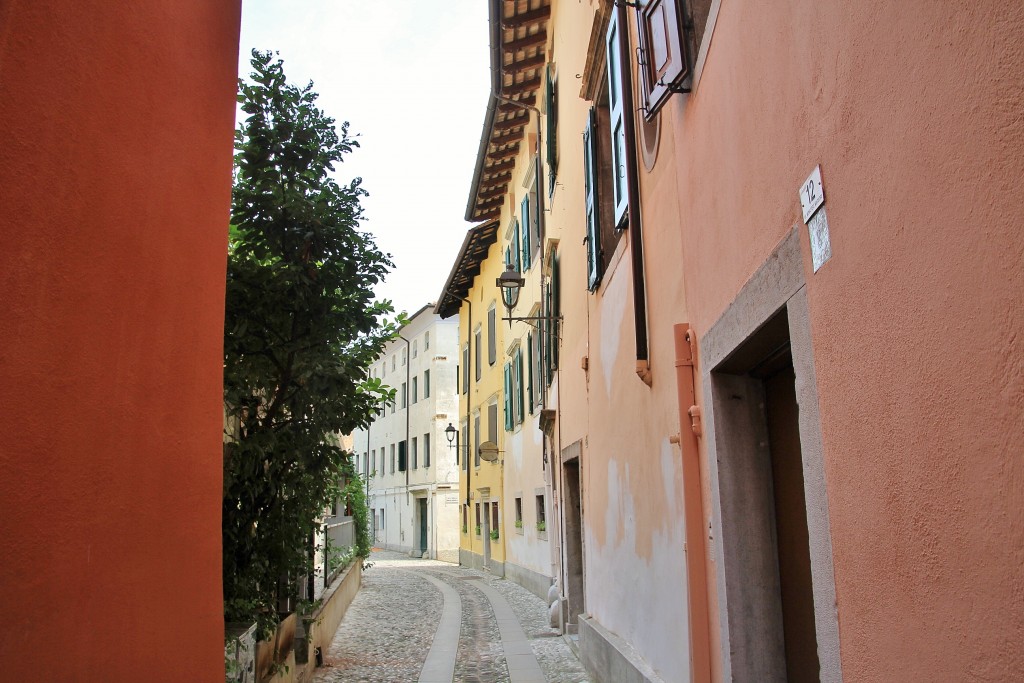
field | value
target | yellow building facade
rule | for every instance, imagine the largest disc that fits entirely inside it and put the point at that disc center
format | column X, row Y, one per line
column 471, row 292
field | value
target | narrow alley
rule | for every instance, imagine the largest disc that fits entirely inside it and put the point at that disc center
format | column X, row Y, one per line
column 429, row 621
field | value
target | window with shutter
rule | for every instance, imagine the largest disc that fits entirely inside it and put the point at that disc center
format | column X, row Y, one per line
column 492, row 422
column 551, row 113
column 476, row 440
column 529, row 371
column 492, row 341
column 517, row 381
column 664, row 59
column 591, row 184
column 555, row 309
column 524, row 215
column 509, row 423
column 620, row 189
column 478, row 339
column 465, row 369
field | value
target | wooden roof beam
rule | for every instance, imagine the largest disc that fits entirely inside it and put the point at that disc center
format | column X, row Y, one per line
column 526, row 63
column 500, row 168
column 526, row 18
column 521, row 87
column 538, row 38
column 510, row 123
column 504, row 153
column 507, row 138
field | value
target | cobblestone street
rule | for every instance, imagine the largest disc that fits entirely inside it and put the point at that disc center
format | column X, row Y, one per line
column 421, row 620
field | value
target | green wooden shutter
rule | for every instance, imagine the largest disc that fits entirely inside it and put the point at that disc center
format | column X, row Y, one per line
column 551, row 113
column 590, row 170
column 508, row 397
column 529, row 369
column 524, row 214
column 519, row 385
column 556, row 311
column 620, row 191
column 516, row 250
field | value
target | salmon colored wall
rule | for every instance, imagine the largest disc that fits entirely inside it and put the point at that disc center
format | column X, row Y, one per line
column 913, row 112
column 115, row 187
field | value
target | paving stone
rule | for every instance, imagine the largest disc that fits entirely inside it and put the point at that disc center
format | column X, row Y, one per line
column 390, row 626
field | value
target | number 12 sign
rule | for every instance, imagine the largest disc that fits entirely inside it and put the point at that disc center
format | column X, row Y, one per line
column 812, row 195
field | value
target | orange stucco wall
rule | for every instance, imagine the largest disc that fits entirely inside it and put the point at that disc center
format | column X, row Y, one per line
column 114, row 186
column 913, row 112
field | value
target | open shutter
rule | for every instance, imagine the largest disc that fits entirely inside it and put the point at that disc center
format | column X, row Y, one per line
column 529, row 369
column 664, row 64
column 551, row 112
column 620, row 189
column 556, row 311
column 508, row 397
column 590, row 169
column 515, row 250
column 524, row 214
column 518, row 372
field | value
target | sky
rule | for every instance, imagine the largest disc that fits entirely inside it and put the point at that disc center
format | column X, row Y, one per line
column 411, row 78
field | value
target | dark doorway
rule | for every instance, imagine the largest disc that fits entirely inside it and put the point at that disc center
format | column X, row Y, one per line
column 768, row 569
column 573, row 542
column 423, row 525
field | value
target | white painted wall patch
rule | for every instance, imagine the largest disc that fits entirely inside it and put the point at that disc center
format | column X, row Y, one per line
column 821, row 248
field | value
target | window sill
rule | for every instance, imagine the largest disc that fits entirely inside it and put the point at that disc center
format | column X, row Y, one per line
column 519, row 531
column 543, row 535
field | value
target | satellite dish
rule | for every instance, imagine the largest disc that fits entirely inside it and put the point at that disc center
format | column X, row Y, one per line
column 488, row 451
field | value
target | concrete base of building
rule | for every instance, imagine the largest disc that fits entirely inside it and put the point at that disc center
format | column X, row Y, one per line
column 475, row 561
column 610, row 659
column 535, row 582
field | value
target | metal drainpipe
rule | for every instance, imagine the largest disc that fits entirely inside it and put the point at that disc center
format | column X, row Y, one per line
column 636, row 243
column 408, row 383
column 693, row 505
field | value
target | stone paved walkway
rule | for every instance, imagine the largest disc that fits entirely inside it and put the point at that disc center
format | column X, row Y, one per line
column 499, row 633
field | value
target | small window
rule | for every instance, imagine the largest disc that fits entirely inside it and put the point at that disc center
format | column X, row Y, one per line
column 426, row 450
column 404, row 352
column 541, row 516
column 464, row 445
column 492, row 422
column 465, row 369
column 392, row 458
column 403, row 396
column 415, row 389
column 382, row 519
column 426, row 341
column 492, row 336
column 478, row 340
column 476, row 440
column 517, row 385
column 494, row 517
column 413, row 455
column 551, row 130
column 403, row 456
column 426, row 384
column 394, row 362
column 415, row 347
column 465, row 519
column 519, row 512
column 478, row 519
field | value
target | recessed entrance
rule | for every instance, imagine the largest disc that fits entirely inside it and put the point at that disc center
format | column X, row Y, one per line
column 424, row 525
column 764, row 514
column 573, row 542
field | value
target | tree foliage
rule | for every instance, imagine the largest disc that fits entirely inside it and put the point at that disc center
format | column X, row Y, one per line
column 301, row 329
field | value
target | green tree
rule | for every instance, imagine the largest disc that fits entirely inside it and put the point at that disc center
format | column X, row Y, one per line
column 301, row 329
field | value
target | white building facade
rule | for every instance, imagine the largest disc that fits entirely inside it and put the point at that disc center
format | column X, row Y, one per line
column 411, row 473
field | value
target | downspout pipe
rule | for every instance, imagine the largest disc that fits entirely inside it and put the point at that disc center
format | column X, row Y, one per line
column 408, row 409
column 636, row 242
column 693, row 505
